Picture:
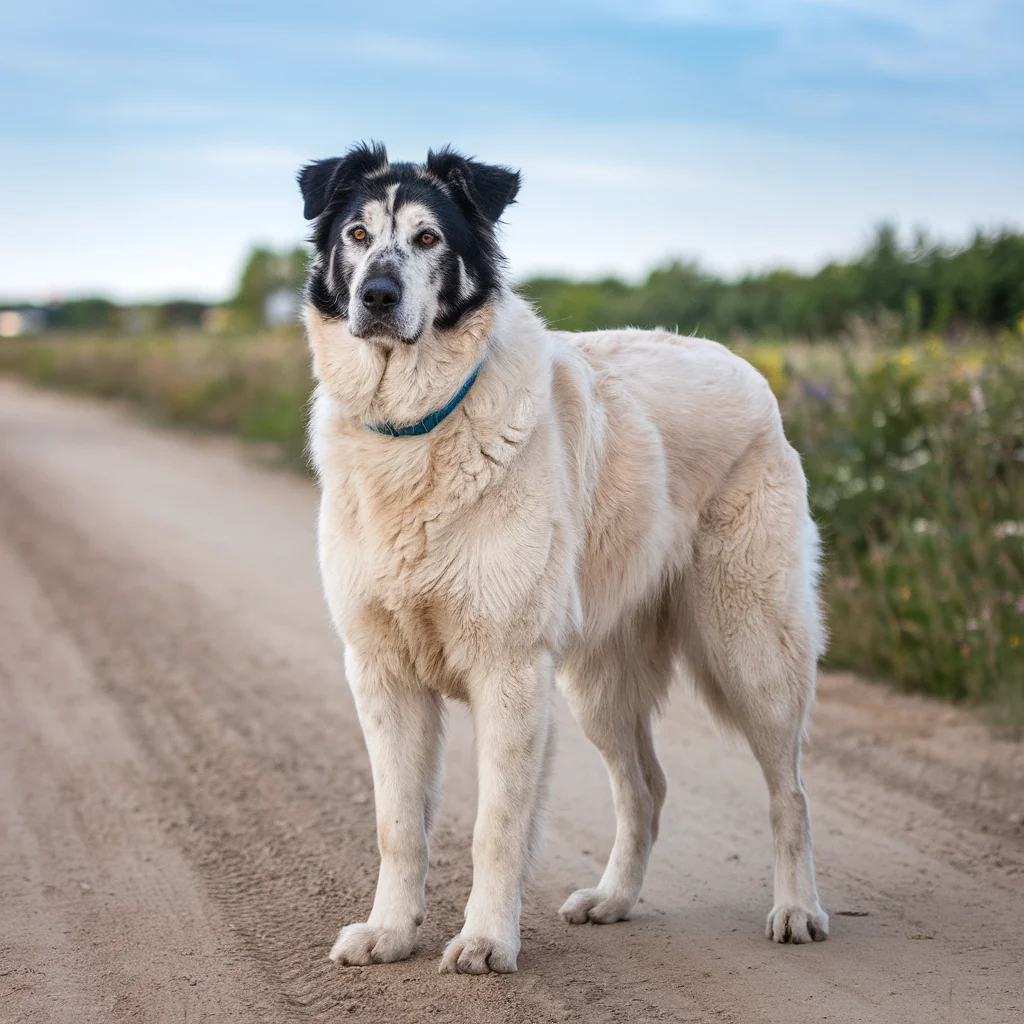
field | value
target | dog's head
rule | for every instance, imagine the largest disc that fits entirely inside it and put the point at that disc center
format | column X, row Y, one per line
column 403, row 247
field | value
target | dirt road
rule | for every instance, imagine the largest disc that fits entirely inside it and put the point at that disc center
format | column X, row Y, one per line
column 186, row 816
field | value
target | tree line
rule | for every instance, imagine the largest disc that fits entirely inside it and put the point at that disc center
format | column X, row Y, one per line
column 922, row 285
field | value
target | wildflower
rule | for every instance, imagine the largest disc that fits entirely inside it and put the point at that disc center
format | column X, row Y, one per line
column 965, row 650
column 914, row 460
column 905, row 593
column 771, row 364
column 1015, row 641
column 1008, row 529
column 971, row 367
column 819, row 392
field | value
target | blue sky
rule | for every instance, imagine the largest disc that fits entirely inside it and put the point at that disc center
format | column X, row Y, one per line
column 143, row 151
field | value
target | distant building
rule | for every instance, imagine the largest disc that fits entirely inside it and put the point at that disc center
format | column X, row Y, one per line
column 280, row 307
column 16, row 322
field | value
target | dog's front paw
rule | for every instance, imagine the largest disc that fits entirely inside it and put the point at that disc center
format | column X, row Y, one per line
column 358, row 945
column 594, row 905
column 467, row 954
column 790, row 922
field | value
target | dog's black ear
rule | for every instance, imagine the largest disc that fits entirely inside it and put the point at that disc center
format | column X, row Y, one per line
column 314, row 181
column 488, row 187
column 321, row 180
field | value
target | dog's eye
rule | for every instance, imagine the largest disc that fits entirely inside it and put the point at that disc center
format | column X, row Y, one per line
column 427, row 239
column 358, row 234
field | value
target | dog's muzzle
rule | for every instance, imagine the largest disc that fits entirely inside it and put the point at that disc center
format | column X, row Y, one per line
column 378, row 310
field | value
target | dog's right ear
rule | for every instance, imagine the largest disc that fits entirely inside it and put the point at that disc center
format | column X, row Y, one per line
column 321, row 180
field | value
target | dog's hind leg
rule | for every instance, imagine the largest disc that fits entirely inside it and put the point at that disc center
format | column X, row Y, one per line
column 614, row 692
column 755, row 637
column 403, row 725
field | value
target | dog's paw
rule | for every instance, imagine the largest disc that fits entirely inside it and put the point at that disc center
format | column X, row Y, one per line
column 467, row 954
column 359, row 945
column 594, row 905
column 789, row 922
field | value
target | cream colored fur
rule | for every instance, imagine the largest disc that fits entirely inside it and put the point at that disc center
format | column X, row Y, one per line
column 610, row 509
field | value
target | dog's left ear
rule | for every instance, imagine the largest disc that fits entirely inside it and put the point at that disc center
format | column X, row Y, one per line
column 489, row 188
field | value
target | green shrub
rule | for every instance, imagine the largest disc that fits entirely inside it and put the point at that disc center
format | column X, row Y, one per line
column 915, row 462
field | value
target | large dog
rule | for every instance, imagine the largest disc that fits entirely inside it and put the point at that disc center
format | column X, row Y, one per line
column 503, row 505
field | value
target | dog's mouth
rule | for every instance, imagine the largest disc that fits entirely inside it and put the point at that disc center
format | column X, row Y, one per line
column 378, row 332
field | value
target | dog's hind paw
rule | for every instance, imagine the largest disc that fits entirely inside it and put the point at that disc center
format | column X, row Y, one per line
column 478, row 955
column 789, row 922
column 359, row 945
column 596, row 906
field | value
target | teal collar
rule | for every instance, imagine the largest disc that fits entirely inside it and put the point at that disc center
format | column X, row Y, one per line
column 427, row 424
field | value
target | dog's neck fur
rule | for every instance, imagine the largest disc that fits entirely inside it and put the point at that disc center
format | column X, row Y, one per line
column 364, row 382
column 399, row 384
column 386, row 489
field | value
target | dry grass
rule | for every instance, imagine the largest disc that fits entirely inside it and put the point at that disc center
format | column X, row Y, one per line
column 255, row 386
column 915, row 459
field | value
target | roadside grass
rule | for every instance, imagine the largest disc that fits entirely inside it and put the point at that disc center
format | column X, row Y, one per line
column 915, row 464
column 914, row 458
column 255, row 387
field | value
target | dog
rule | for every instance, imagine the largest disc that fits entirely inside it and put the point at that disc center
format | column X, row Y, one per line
column 504, row 505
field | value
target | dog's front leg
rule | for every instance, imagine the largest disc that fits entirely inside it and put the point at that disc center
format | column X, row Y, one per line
column 403, row 724
column 511, row 709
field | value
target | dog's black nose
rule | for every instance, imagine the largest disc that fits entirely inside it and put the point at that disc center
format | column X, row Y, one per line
column 381, row 293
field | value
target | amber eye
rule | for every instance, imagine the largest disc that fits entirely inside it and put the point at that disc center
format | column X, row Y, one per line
column 427, row 239
column 359, row 234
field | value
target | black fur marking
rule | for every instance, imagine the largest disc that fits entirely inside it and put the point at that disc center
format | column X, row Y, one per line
column 466, row 199
column 330, row 303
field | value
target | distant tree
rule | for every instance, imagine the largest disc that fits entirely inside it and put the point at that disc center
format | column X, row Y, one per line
column 93, row 314
column 182, row 313
column 265, row 272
